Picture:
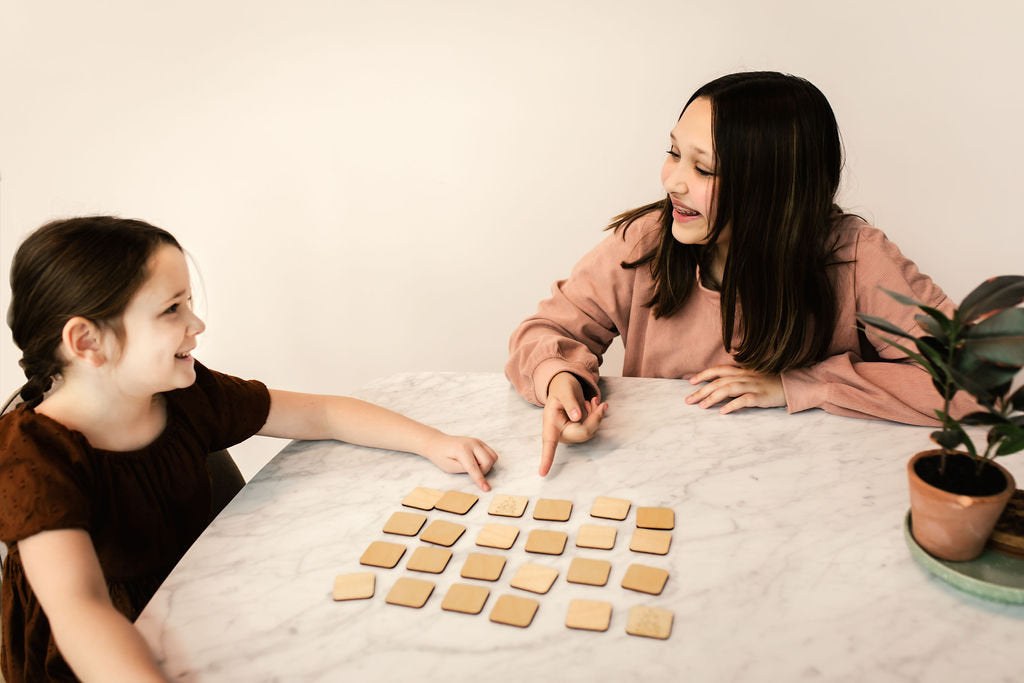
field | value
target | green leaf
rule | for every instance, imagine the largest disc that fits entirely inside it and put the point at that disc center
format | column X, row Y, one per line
column 1011, row 436
column 983, row 394
column 996, row 379
column 1008, row 323
column 982, row 418
column 904, row 299
column 929, row 325
column 916, row 357
column 932, row 349
column 884, row 325
column 1008, row 351
column 993, row 294
column 946, row 439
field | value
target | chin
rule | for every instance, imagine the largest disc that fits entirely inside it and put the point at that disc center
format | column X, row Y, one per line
column 690, row 234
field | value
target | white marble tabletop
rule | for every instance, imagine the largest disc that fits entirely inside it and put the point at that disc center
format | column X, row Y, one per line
column 787, row 559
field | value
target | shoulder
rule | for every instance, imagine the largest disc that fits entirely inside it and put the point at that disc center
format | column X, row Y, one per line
column 25, row 434
column 212, row 388
column 640, row 237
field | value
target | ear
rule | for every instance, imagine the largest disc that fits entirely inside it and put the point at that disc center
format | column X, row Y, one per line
column 81, row 341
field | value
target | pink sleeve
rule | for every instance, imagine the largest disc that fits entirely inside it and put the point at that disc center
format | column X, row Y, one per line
column 572, row 329
column 889, row 387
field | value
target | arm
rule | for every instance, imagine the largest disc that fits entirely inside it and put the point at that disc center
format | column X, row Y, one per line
column 868, row 378
column 96, row 640
column 310, row 416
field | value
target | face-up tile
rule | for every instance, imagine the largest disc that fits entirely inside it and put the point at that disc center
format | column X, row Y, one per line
column 508, row 506
column 650, row 622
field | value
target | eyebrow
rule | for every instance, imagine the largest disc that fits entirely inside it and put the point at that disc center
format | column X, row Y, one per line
column 176, row 296
column 695, row 148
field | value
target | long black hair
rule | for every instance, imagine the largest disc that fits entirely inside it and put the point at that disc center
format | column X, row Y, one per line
column 778, row 160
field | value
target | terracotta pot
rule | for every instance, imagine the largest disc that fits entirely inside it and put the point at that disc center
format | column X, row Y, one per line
column 952, row 526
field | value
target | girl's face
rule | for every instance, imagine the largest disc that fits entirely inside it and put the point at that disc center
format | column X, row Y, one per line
column 160, row 330
column 688, row 175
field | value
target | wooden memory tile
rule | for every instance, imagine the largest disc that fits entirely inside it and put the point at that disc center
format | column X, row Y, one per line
column 610, row 508
column 534, row 578
column 456, row 501
column 645, row 579
column 590, row 572
column 514, row 610
column 429, row 559
column 552, row 510
column 410, row 592
column 655, row 518
column 497, row 536
column 405, row 523
column 650, row 541
column 462, row 597
column 650, row 622
column 382, row 554
column 546, row 542
column 589, row 615
column 357, row 586
column 596, row 536
column 422, row 498
column 482, row 566
column 508, row 506
column 442, row 532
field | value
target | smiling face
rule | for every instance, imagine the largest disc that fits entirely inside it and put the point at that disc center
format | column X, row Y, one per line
column 688, row 175
column 160, row 330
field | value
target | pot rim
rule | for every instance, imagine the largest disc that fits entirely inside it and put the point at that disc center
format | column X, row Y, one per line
column 1011, row 483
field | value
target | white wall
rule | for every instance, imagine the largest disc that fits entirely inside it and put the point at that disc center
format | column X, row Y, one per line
column 378, row 187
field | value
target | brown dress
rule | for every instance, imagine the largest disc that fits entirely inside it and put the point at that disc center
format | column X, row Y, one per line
column 142, row 509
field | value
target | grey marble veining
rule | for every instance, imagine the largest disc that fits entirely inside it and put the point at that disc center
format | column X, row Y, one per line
column 787, row 560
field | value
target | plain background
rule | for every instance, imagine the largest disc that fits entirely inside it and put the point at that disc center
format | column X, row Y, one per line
column 370, row 188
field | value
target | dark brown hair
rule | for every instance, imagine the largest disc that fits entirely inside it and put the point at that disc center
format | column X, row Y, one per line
column 778, row 160
column 89, row 267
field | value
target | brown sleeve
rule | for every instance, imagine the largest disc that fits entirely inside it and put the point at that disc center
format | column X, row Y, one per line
column 43, row 486
column 225, row 410
column 888, row 387
column 572, row 329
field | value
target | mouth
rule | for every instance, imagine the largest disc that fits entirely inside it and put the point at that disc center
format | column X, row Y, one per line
column 682, row 212
column 184, row 355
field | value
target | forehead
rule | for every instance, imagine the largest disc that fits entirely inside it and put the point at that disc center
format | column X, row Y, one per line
column 693, row 130
column 167, row 274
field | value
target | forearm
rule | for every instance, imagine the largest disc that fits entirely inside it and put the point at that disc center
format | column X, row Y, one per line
column 100, row 644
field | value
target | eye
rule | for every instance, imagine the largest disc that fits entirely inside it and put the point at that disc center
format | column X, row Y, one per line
column 706, row 174
column 672, row 153
column 172, row 309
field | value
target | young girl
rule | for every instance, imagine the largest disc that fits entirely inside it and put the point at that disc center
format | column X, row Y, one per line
column 746, row 276
column 103, row 480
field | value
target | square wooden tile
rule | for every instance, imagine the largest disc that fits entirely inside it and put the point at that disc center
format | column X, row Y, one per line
column 456, row 501
column 462, row 597
column 405, row 523
column 497, row 536
column 590, row 572
column 650, row 541
column 429, row 559
column 596, row 536
column 482, row 566
column 354, row 586
column 553, row 510
column 655, row 518
column 410, row 592
column 508, row 506
column 546, row 542
column 610, row 508
column 589, row 615
column 442, row 532
column 640, row 577
column 534, row 578
column 382, row 554
column 514, row 610
column 422, row 498
column 650, row 622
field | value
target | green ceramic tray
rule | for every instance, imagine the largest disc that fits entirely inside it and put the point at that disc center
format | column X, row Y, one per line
column 992, row 576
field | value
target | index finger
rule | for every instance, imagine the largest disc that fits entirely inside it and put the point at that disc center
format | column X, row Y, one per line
column 474, row 471
column 549, row 437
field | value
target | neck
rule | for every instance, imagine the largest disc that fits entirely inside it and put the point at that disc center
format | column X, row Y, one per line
column 109, row 420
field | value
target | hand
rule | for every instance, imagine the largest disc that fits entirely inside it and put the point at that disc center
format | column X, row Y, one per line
column 455, row 454
column 567, row 417
column 750, row 389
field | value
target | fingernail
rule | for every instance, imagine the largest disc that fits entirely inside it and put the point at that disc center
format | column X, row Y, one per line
column 574, row 415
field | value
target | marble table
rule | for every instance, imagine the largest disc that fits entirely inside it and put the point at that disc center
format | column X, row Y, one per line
column 787, row 561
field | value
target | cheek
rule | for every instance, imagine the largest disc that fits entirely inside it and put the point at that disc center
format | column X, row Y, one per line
column 666, row 171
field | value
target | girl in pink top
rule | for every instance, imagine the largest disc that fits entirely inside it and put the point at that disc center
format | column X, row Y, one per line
column 746, row 277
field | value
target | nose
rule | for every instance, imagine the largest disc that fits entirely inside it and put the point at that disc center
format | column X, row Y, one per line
column 196, row 324
column 673, row 177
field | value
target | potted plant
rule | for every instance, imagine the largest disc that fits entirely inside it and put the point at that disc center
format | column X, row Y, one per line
column 957, row 496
